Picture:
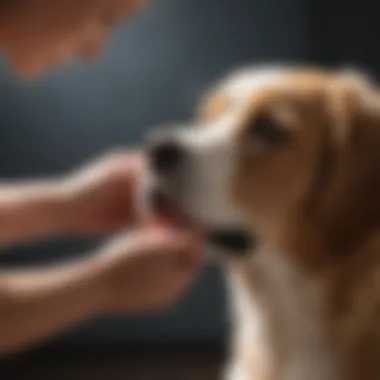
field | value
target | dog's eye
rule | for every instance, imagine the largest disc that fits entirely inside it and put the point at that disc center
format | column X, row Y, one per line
column 267, row 131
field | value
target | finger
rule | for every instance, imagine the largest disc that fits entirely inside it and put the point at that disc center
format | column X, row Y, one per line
column 184, row 250
column 190, row 259
column 156, row 241
column 135, row 161
column 125, row 157
column 165, row 242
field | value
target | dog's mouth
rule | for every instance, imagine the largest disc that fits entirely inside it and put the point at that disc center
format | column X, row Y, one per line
column 168, row 213
column 231, row 240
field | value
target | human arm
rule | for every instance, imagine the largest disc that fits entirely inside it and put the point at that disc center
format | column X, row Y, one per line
column 144, row 270
column 31, row 211
column 97, row 198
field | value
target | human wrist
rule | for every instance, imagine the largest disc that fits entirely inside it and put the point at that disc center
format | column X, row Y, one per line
column 33, row 209
column 39, row 303
column 115, row 266
column 65, row 202
column 53, row 203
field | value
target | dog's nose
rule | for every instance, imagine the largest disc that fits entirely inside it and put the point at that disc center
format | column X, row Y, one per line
column 166, row 155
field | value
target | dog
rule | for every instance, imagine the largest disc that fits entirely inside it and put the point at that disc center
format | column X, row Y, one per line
column 281, row 170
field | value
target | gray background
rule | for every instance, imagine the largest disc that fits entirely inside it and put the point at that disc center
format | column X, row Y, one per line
column 153, row 70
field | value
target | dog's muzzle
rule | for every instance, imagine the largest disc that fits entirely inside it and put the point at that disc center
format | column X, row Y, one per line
column 167, row 159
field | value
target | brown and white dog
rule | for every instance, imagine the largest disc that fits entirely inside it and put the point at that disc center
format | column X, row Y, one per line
column 282, row 170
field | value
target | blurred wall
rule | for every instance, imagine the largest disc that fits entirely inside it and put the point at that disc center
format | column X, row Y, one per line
column 345, row 32
column 153, row 70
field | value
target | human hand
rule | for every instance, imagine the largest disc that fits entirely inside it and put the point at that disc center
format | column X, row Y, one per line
column 148, row 269
column 100, row 197
column 36, row 34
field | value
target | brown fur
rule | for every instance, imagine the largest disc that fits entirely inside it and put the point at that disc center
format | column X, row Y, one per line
column 213, row 106
column 316, row 198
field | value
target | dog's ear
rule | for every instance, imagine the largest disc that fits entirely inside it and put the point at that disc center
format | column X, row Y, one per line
column 350, row 99
column 351, row 205
column 356, row 76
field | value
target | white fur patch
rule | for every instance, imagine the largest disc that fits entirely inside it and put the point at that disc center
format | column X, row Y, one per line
column 242, row 83
column 282, row 319
column 212, row 152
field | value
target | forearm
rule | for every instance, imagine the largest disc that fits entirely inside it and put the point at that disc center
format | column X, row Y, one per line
column 31, row 211
column 35, row 304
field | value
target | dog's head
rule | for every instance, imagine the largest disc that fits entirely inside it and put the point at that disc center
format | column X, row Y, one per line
column 275, row 152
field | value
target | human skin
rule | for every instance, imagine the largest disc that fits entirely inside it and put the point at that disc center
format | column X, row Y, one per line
column 37, row 34
column 137, row 270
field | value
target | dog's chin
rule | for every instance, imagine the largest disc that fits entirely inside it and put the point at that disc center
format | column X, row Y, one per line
column 229, row 240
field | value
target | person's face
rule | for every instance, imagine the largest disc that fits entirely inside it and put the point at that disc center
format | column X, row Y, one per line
column 39, row 34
